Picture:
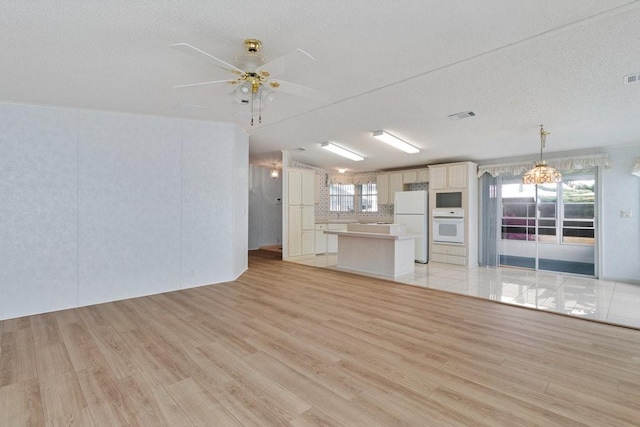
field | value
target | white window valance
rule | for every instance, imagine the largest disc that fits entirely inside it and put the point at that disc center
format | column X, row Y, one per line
column 561, row 163
column 355, row 179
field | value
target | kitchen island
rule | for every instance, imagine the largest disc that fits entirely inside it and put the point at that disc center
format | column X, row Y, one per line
column 377, row 253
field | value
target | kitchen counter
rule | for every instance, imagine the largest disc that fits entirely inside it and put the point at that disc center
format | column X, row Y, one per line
column 352, row 220
column 373, row 235
column 388, row 255
column 336, row 221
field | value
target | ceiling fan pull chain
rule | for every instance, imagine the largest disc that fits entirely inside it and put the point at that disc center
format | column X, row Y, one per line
column 251, row 97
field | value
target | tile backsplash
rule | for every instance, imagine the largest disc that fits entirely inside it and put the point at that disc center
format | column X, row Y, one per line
column 419, row 186
column 384, row 214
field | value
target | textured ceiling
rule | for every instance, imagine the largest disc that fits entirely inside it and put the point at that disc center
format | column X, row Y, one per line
column 399, row 66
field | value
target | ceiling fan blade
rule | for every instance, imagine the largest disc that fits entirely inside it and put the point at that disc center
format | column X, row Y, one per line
column 201, row 84
column 297, row 90
column 197, row 53
column 294, row 59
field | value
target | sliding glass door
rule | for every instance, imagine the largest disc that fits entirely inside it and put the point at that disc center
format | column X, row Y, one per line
column 550, row 226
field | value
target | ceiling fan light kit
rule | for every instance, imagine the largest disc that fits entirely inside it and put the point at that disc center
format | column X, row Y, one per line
column 341, row 151
column 395, row 142
column 254, row 87
column 541, row 173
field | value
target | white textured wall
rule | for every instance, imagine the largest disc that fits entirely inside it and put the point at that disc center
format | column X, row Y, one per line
column 99, row 206
column 621, row 236
column 240, row 202
column 206, row 205
column 38, row 210
column 129, row 188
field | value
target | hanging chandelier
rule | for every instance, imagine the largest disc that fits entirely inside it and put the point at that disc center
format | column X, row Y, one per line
column 541, row 173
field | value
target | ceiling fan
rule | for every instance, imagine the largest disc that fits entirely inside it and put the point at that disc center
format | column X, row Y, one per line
column 254, row 77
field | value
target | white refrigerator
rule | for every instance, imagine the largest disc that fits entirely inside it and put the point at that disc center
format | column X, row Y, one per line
column 410, row 209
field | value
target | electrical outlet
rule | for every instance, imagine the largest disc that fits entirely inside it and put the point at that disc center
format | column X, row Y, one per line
column 625, row 214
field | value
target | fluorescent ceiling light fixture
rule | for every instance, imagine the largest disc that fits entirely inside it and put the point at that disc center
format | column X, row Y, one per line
column 341, row 151
column 395, row 142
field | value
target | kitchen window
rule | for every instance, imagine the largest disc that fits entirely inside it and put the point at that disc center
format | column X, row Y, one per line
column 353, row 198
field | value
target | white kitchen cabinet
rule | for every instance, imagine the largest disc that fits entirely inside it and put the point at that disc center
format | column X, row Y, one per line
column 294, row 231
column 423, row 175
column 456, row 178
column 320, row 239
column 395, row 184
column 443, row 177
column 308, row 239
column 382, row 187
column 301, row 213
column 301, row 231
column 390, row 182
column 437, row 177
column 410, row 177
column 301, row 187
column 449, row 254
column 415, row 176
column 295, row 187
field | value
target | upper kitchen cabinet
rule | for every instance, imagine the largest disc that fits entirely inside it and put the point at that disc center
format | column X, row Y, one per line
column 415, row 176
column 301, row 187
column 410, row 177
column 453, row 175
column 387, row 185
column 423, row 175
column 395, row 184
column 382, row 186
column 390, row 182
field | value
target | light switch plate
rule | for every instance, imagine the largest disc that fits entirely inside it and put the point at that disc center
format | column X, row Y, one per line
column 625, row 214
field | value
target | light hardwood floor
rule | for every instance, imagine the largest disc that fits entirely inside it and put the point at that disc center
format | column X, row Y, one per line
column 289, row 344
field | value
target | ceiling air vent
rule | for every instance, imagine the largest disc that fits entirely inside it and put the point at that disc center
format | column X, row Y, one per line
column 632, row 79
column 463, row 115
column 299, row 149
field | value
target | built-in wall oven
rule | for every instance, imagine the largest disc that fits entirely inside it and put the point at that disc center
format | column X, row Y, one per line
column 448, row 225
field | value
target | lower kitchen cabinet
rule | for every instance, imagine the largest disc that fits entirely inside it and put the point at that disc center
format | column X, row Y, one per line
column 308, row 238
column 320, row 239
column 301, row 230
column 449, row 254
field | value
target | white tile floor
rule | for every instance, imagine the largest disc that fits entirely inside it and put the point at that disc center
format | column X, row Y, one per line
column 586, row 297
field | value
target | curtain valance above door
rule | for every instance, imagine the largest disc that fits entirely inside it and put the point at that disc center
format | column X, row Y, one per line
column 562, row 163
column 355, row 179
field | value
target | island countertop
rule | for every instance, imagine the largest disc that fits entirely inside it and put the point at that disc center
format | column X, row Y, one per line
column 373, row 235
column 381, row 254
